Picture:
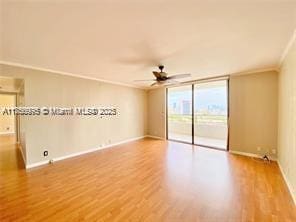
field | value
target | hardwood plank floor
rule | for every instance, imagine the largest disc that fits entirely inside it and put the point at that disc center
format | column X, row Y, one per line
column 145, row 180
column 7, row 139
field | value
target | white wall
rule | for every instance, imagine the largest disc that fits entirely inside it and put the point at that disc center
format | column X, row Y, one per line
column 67, row 135
column 156, row 112
column 253, row 105
column 287, row 119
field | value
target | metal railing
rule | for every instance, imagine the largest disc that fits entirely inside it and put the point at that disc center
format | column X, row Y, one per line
column 198, row 118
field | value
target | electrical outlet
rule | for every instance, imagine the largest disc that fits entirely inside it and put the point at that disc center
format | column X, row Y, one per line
column 258, row 148
column 273, row 151
column 45, row 153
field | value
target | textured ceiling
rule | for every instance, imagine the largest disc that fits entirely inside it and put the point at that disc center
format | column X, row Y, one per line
column 122, row 41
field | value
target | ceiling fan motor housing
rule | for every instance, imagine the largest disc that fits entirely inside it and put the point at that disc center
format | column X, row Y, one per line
column 163, row 75
column 161, row 67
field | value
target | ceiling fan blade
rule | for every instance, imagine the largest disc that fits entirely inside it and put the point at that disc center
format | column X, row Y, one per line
column 171, row 82
column 145, row 55
column 180, row 76
column 164, row 83
column 145, row 80
column 156, row 74
column 155, row 84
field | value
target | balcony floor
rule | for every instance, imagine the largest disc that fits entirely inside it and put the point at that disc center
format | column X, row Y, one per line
column 203, row 141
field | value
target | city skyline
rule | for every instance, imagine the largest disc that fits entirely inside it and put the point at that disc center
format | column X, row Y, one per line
column 206, row 100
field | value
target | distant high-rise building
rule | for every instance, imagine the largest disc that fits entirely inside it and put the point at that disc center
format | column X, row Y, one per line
column 186, row 107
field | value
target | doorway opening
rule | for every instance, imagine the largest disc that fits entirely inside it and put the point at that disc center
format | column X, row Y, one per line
column 12, row 137
column 198, row 114
column 8, row 123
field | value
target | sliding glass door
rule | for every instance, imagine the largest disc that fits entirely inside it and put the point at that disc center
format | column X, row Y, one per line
column 198, row 114
column 211, row 114
column 179, row 113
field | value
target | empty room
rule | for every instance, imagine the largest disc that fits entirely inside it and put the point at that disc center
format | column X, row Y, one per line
column 161, row 111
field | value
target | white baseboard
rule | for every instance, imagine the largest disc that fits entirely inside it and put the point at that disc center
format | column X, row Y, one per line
column 154, row 137
column 28, row 166
column 6, row 133
column 291, row 190
column 279, row 164
column 32, row 165
column 250, row 154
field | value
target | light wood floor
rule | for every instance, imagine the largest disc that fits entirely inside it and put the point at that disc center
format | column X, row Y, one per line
column 146, row 180
column 7, row 139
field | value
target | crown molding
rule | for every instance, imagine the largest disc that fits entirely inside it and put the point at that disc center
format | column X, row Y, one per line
column 273, row 69
column 276, row 69
column 287, row 49
column 20, row 65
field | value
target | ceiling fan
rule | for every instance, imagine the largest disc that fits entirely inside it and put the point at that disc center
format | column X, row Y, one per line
column 161, row 78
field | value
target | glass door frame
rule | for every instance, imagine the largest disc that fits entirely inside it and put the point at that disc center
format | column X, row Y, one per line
column 226, row 78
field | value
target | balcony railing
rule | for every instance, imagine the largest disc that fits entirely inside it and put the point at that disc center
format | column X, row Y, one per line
column 198, row 118
column 206, row 126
